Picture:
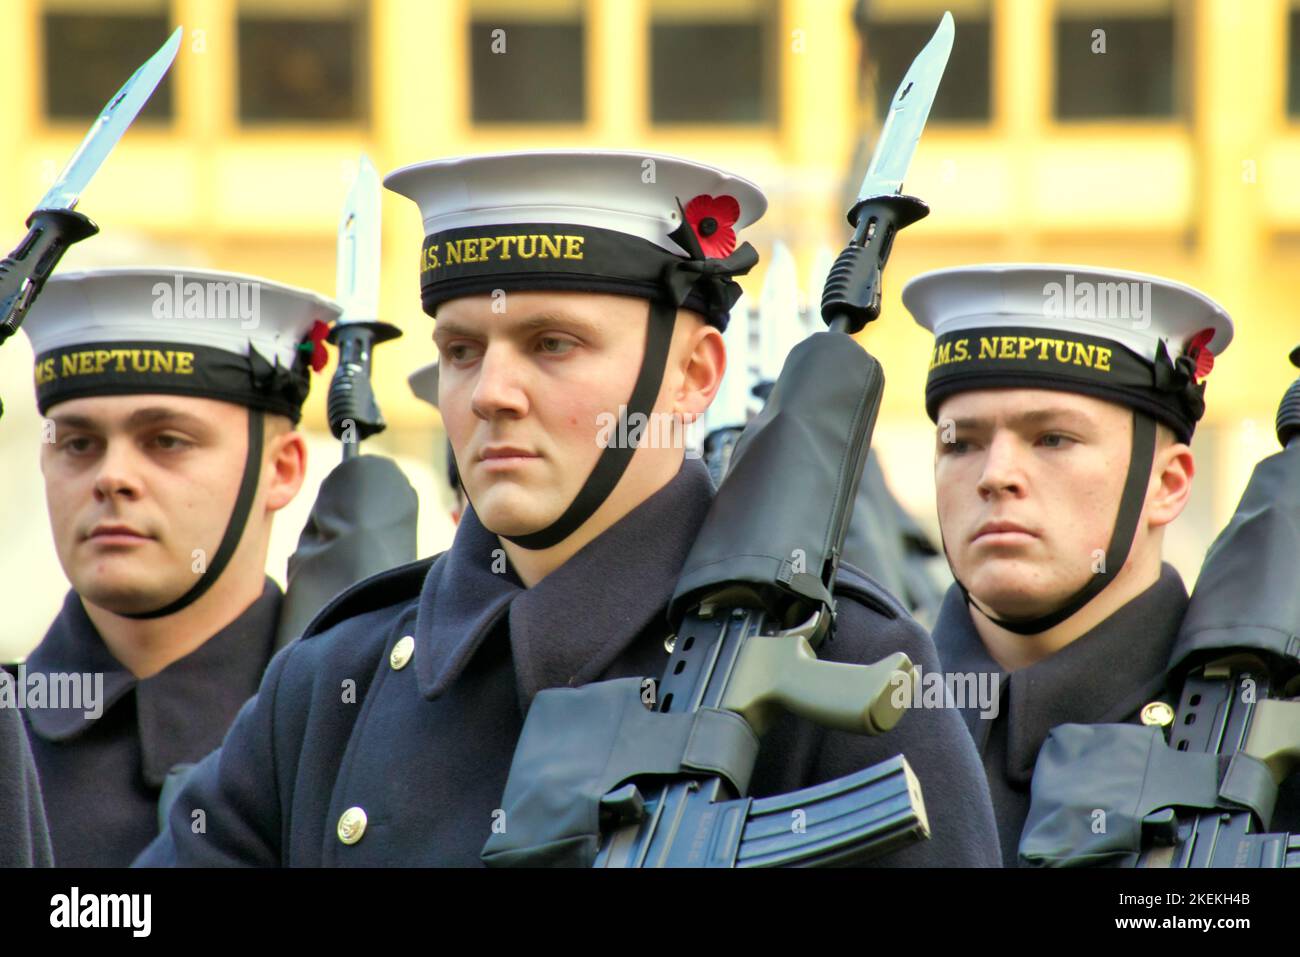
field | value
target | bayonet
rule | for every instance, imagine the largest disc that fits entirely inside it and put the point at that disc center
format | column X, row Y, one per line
column 54, row 225
column 907, row 115
column 353, row 412
column 851, row 298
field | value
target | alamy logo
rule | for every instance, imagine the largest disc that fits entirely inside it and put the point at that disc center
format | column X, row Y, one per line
column 210, row 299
column 658, row 430
column 103, row 910
column 1127, row 301
column 57, row 690
column 935, row 689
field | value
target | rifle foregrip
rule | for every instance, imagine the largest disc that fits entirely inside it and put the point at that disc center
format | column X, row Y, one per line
column 24, row 271
column 781, row 672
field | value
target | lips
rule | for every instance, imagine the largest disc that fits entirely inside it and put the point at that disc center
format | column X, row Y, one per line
column 124, row 531
column 505, row 452
column 997, row 528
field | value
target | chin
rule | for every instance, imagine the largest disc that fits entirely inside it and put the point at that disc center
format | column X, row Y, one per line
column 503, row 518
column 124, row 597
column 1013, row 590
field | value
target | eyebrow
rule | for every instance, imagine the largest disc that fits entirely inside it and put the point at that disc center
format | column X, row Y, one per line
column 140, row 417
column 1030, row 418
column 542, row 320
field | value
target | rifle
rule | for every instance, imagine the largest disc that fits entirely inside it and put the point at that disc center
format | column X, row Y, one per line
column 752, row 604
column 364, row 519
column 1239, row 649
column 1208, row 798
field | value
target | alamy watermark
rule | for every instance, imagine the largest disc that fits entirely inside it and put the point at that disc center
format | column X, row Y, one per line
column 1125, row 300
column 954, row 689
column 133, row 912
column 209, row 299
column 656, row 430
column 57, row 690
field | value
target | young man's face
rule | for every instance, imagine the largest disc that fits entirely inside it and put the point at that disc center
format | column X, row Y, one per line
column 1028, row 484
column 136, row 484
column 538, row 378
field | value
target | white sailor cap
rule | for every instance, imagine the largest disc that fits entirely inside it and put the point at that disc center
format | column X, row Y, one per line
column 1140, row 340
column 585, row 220
column 424, row 383
column 220, row 335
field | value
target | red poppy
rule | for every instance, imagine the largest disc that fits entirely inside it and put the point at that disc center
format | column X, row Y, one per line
column 712, row 219
column 1198, row 349
column 316, row 342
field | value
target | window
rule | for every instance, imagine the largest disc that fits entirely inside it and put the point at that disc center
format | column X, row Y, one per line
column 1117, row 60
column 714, row 62
column 302, row 62
column 89, row 54
column 527, row 61
column 894, row 33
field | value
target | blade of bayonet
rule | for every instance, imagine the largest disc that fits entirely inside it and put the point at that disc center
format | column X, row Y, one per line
column 907, row 115
column 359, row 246
column 109, row 127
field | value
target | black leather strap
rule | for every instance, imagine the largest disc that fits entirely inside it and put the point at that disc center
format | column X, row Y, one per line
column 1141, row 458
column 616, row 457
column 234, row 528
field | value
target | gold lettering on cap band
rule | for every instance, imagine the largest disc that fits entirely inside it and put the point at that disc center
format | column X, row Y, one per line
column 100, row 361
column 485, row 249
column 1034, row 348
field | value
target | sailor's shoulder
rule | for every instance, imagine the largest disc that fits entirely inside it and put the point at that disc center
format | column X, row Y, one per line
column 871, row 624
column 395, row 588
column 852, row 582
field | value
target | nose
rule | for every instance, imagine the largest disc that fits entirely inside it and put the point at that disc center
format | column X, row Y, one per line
column 499, row 388
column 117, row 476
column 1003, row 472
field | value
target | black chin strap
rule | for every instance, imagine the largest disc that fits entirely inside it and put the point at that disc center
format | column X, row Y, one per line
column 614, row 459
column 234, row 528
column 1141, row 458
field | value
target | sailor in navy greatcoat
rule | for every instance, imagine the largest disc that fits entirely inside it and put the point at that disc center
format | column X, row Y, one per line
column 103, row 770
column 160, row 513
column 1034, row 381
column 385, row 735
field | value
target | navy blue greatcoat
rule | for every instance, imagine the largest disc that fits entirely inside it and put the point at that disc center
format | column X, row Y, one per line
column 24, row 840
column 102, row 776
column 419, row 734
column 1102, row 677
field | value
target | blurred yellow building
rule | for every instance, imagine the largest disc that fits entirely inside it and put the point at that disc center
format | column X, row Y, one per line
column 1154, row 135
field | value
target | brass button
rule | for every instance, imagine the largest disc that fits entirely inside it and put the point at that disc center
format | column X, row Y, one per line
column 1157, row 714
column 402, row 652
column 352, row 824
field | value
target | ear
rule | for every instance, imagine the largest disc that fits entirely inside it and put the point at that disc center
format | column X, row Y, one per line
column 701, row 364
column 1172, row 471
column 284, row 469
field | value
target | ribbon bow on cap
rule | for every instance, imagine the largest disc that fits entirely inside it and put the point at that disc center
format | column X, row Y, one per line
column 1179, row 376
column 276, row 380
column 711, row 278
